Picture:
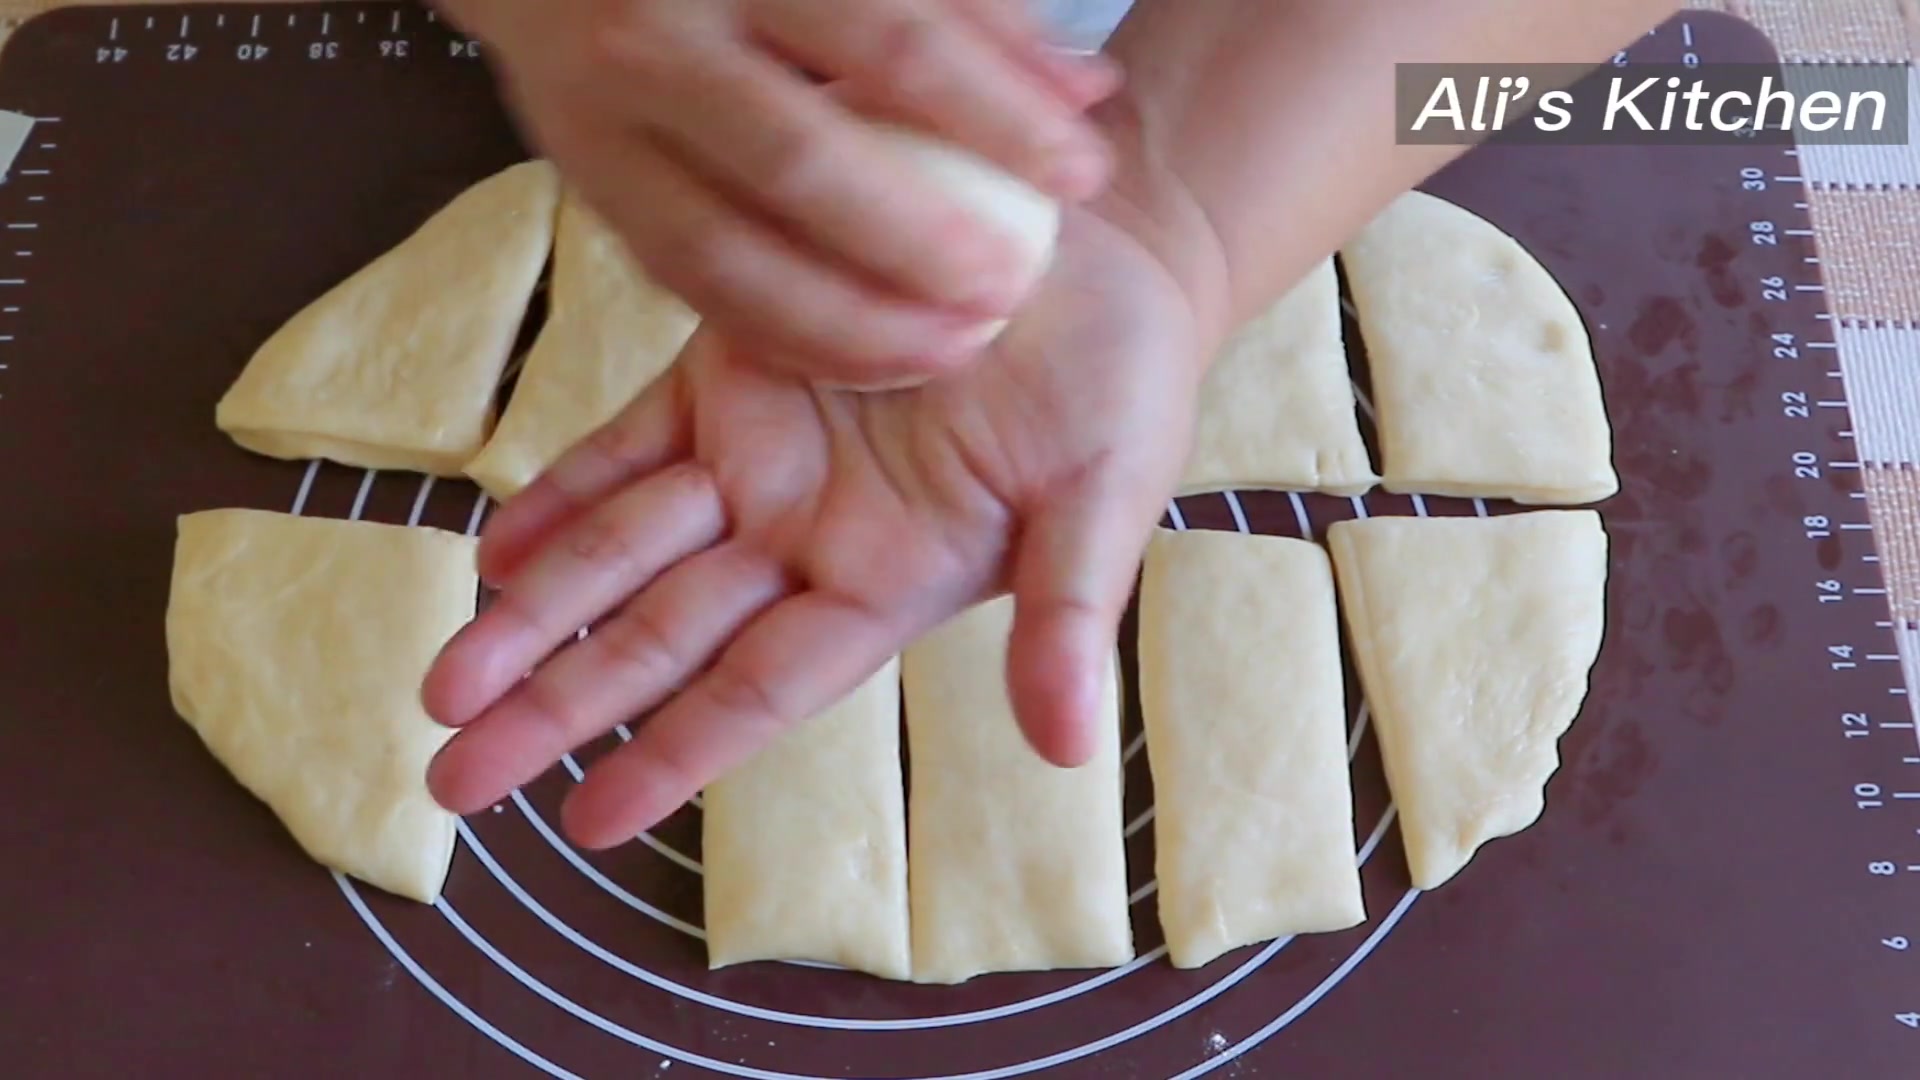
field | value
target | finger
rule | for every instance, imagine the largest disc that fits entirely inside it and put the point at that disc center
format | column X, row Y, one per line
column 1073, row 574
column 798, row 158
column 617, row 672
column 651, row 432
column 1080, row 79
column 761, row 286
column 591, row 565
column 794, row 661
column 927, row 63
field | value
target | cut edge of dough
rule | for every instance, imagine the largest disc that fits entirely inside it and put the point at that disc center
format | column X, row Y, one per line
column 291, row 444
column 1393, row 477
column 1424, row 876
column 424, row 888
column 1163, row 546
column 256, row 436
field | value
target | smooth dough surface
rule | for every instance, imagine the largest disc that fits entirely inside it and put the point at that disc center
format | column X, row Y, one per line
column 805, row 844
column 1022, row 213
column 1474, row 638
column 397, row 367
column 1277, row 409
column 1013, row 864
column 1484, row 382
column 1242, row 693
column 296, row 647
column 610, row 331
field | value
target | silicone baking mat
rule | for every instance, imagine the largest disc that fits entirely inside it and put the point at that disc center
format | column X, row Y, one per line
column 1723, row 883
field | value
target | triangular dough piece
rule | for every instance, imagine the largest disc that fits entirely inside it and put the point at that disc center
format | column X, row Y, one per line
column 1277, row 407
column 610, row 331
column 295, row 649
column 397, row 367
column 806, row 843
column 1474, row 638
column 1484, row 383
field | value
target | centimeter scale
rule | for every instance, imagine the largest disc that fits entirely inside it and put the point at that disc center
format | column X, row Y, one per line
column 1725, row 881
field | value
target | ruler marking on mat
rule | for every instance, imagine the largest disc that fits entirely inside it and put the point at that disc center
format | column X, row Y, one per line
column 1858, row 661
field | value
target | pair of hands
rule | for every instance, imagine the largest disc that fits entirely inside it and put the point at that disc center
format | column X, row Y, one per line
column 749, row 545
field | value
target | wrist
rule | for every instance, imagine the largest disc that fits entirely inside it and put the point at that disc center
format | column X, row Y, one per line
column 1148, row 199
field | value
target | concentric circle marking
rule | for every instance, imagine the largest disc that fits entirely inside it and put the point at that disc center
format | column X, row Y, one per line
column 673, row 1053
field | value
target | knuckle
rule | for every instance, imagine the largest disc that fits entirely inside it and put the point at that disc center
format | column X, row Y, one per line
column 795, row 162
column 673, row 769
column 600, row 539
column 688, row 254
column 636, row 642
column 907, row 53
column 743, row 698
column 604, row 452
column 632, row 37
column 552, row 713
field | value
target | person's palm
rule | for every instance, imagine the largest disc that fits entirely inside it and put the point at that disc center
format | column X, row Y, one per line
column 757, row 546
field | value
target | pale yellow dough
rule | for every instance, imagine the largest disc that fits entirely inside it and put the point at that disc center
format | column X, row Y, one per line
column 610, row 331
column 1484, row 382
column 1022, row 214
column 1474, row 639
column 397, row 367
column 1277, row 409
column 296, row 647
column 1013, row 864
column 1245, row 711
column 805, row 843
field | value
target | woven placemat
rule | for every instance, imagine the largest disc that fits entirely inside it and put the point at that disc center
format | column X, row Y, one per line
column 1866, row 208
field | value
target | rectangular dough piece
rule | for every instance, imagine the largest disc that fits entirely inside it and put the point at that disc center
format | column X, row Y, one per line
column 398, row 366
column 805, row 844
column 1474, row 639
column 1484, row 382
column 1244, row 699
column 296, row 647
column 1013, row 864
column 610, row 331
column 1277, row 406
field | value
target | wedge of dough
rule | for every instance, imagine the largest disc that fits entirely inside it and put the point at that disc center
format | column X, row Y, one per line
column 1474, row 639
column 1484, row 382
column 397, row 367
column 1277, row 407
column 806, row 843
column 610, row 331
column 1013, row 864
column 295, row 649
column 1242, row 693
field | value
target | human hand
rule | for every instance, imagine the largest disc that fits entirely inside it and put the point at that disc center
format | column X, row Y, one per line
column 768, row 202
column 753, row 547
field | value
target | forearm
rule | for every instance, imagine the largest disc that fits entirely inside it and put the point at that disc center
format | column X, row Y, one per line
column 1271, row 122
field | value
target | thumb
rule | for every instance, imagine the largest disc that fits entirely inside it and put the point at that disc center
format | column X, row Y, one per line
column 1073, row 574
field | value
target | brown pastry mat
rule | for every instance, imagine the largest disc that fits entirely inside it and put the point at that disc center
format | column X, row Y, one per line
column 1722, row 883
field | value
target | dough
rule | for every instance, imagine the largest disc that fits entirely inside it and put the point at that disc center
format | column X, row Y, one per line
column 397, row 367
column 1483, row 377
column 1242, row 693
column 1024, row 214
column 610, row 331
column 806, row 843
column 296, row 647
column 1474, row 638
column 1013, row 864
column 1277, row 407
